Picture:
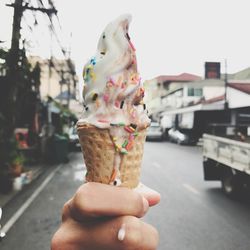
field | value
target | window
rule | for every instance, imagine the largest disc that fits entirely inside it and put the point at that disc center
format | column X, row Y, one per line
column 195, row 92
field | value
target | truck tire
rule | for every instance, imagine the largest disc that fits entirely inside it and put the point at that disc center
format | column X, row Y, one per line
column 231, row 184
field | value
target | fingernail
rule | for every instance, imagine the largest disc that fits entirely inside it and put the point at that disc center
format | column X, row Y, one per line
column 121, row 233
column 145, row 189
column 145, row 205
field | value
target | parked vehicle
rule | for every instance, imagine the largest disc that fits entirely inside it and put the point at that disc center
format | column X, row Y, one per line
column 154, row 132
column 73, row 138
column 227, row 160
column 181, row 136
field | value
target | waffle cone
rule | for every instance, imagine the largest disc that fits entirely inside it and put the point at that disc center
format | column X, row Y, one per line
column 99, row 156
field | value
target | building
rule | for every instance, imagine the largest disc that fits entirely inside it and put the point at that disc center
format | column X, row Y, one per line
column 59, row 81
column 194, row 104
column 229, row 108
column 57, row 76
column 158, row 88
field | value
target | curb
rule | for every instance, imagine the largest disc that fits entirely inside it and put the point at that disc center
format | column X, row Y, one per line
column 6, row 198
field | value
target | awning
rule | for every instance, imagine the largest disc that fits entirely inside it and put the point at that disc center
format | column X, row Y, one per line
column 198, row 107
column 65, row 95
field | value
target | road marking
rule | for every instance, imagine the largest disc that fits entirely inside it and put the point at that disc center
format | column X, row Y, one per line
column 156, row 164
column 190, row 188
column 27, row 203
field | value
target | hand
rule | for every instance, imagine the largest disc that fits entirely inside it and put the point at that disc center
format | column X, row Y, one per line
column 104, row 217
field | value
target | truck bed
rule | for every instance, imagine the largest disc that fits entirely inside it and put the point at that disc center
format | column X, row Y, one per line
column 232, row 153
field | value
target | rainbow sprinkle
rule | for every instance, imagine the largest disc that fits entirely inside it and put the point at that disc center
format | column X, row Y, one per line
column 131, row 137
column 136, row 134
column 106, row 98
column 134, row 126
column 129, row 145
column 124, row 151
column 121, row 104
column 125, row 143
column 117, row 104
column 103, row 121
column 129, row 129
column 94, row 97
column 120, row 124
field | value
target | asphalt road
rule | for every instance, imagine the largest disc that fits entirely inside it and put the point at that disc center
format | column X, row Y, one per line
column 192, row 215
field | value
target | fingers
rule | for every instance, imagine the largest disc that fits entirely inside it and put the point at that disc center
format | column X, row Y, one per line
column 151, row 195
column 108, row 219
column 137, row 234
column 104, row 235
column 96, row 200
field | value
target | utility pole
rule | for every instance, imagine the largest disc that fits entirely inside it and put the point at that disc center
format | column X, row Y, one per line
column 226, row 85
column 13, row 58
column 12, row 68
column 14, row 50
column 10, row 86
column 69, row 94
column 19, row 8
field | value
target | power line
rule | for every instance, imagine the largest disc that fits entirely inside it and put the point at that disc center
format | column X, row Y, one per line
column 19, row 6
column 52, row 27
column 32, row 33
column 26, row 6
column 52, row 4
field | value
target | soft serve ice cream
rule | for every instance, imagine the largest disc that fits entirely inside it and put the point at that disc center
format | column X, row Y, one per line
column 113, row 92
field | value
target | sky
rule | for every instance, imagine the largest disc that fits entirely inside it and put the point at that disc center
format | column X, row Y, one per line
column 170, row 36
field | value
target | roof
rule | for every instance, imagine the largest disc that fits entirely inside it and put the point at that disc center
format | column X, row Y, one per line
column 215, row 99
column 184, row 77
column 196, row 107
column 243, row 87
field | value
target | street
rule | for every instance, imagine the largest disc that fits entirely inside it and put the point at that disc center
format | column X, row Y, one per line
column 60, row 90
column 192, row 215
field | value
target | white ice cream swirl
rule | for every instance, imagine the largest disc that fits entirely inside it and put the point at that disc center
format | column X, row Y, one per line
column 113, row 93
column 112, row 88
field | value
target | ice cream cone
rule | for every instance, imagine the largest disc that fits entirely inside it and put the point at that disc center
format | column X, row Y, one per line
column 112, row 129
column 100, row 154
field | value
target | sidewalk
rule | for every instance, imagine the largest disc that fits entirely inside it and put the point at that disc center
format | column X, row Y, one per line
column 36, row 170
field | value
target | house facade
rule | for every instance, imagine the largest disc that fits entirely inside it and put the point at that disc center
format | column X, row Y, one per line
column 193, row 104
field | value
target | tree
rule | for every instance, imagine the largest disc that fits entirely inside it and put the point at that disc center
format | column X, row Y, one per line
column 18, row 104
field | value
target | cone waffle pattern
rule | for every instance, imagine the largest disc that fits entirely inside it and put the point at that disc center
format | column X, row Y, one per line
column 99, row 156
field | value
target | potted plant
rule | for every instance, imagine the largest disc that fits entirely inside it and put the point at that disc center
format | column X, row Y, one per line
column 8, row 152
column 16, row 165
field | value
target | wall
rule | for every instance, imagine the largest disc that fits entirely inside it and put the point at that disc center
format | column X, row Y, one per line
column 237, row 98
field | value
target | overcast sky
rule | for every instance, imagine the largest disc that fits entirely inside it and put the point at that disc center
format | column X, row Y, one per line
column 171, row 36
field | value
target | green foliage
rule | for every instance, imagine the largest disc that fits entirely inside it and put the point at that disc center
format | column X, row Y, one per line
column 65, row 112
column 3, row 53
column 17, row 158
column 66, row 116
column 18, row 101
column 9, row 153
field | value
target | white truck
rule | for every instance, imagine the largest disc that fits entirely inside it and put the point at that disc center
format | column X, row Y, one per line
column 227, row 160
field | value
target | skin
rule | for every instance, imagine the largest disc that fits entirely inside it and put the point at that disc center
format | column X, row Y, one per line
column 93, row 217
